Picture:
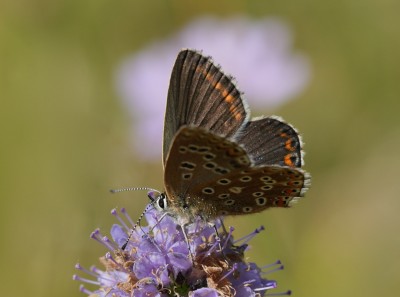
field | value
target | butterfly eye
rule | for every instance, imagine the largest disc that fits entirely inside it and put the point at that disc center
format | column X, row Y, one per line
column 161, row 202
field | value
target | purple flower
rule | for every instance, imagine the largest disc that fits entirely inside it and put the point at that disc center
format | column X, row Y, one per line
column 258, row 53
column 157, row 262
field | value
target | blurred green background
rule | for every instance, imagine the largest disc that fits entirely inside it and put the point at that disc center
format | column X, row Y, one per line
column 64, row 140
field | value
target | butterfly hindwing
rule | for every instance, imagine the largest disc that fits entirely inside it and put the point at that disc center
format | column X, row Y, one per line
column 270, row 141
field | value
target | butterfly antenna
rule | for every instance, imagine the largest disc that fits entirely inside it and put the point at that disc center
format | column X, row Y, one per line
column 137, row 225
column 132, row 189
column 150, row 190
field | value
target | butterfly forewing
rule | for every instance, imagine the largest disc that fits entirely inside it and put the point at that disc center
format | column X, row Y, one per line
column 215, row 177
column 201, row 95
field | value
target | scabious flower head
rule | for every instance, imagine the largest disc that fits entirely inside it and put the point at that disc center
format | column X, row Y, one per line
column 259, row 53
column 159, row 261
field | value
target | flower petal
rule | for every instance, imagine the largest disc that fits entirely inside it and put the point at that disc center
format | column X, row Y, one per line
column 205, row 292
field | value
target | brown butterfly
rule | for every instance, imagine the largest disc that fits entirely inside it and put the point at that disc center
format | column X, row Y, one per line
column 217, row 162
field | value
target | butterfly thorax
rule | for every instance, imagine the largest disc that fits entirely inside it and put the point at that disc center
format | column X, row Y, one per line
column 189, row 207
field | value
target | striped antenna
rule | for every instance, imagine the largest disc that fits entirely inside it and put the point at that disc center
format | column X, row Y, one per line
column 132, row 189
column 150, row 194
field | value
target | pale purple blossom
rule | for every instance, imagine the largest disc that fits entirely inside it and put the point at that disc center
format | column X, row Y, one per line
column 258, row 53
column 158, row 261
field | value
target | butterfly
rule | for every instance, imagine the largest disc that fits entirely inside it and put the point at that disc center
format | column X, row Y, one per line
column 218, row 162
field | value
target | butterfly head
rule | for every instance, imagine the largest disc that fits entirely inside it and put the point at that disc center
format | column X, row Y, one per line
column 159, row 200
column 181, row 208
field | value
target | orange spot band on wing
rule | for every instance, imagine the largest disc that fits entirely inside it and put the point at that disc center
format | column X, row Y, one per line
column 288, row 160
column 288, row 191
column 228, row 98
column 288, row 145
column 233, row 110
column 224, row 92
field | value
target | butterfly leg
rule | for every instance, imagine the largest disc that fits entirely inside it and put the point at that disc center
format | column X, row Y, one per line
column 183, row 226
column 217, row 237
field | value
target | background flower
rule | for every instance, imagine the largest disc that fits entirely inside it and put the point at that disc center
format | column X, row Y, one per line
column 258, row 53
column 159, row 263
